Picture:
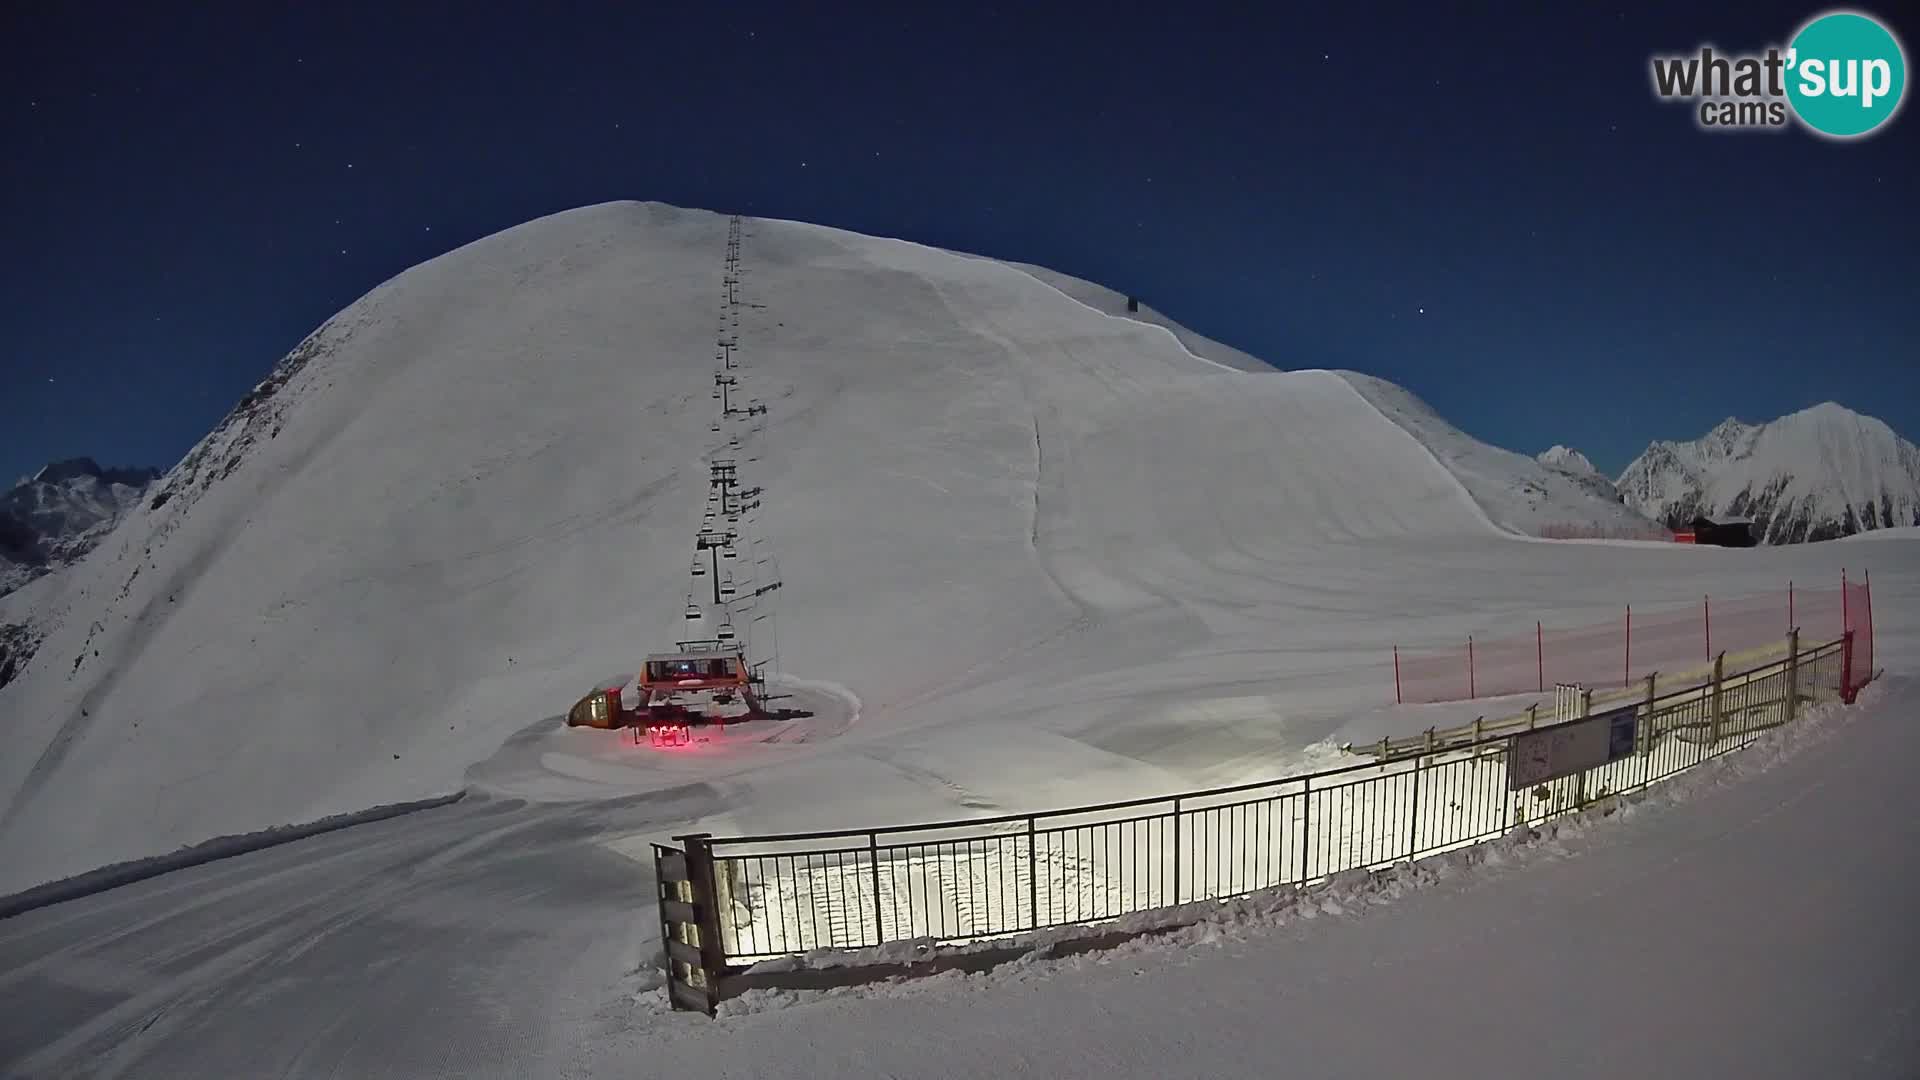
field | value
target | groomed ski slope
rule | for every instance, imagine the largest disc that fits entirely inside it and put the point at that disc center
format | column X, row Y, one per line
column 1046, row 554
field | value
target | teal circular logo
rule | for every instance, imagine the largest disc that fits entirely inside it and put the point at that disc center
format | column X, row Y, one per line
column 1845, row 74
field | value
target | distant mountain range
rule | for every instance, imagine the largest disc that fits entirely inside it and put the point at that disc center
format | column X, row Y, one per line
column 1568, row 459
column 1817, row 474
column 52, row 518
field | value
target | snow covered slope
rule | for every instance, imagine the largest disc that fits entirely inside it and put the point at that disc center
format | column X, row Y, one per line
column 1567, row 459
column 472, row 494
column 52, row 518
column 1816, row 474
column 1052, row 554
column 1517, row 492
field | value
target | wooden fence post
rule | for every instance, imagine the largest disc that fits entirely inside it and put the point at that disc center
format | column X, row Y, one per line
column 1586, row 703
column 1645, row 732
column 1471, row 691
column 1706, row 620
column 1793, row 674
column 694, row 908
column 1626, row 677
column 1719, row 673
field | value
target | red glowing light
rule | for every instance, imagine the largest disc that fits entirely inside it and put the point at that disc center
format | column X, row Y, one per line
column 664, row 735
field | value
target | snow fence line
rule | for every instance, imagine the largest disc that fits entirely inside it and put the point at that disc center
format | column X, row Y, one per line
column 969, row 894
column 905, row 968
column 220, row 847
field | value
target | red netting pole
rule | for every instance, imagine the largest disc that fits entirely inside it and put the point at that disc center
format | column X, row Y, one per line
column 1846, row 667
column 1869, row 599
column 1471, row 692
column 1397, row 699
column 1706, row 615
column 1846, row 614
column 1539, row 657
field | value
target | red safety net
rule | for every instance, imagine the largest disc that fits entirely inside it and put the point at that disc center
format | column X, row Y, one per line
column 1670, row 639
column 1857, row 611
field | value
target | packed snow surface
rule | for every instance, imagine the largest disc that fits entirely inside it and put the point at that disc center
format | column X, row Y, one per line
column 1029, row 552
column 1751, row 918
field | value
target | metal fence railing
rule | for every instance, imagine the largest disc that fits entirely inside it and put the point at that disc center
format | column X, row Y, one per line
column 958, row 881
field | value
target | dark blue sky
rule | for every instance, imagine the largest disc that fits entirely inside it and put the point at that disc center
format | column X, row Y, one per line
column 187, row 194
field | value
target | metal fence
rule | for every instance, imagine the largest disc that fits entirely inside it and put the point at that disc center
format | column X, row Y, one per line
column 958, row 881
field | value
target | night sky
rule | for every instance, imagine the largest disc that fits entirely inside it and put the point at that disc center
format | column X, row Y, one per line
column 1492, row 209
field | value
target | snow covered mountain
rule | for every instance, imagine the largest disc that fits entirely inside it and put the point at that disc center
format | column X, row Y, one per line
column 987, row 499
column 1568, row 459
column 1517, row 493
column 52, row 518
column 1817, row 474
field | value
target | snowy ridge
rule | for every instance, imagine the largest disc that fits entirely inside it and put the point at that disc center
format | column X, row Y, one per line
column 52, row 518
column 1568, row 459
column 1517, row 493
column 1108, row 302
column 1493, row 480
column 1817, row 474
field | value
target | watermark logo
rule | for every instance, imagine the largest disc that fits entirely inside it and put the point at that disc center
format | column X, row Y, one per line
column 1843, row 75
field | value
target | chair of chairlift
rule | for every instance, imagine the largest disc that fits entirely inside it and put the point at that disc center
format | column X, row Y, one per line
column 726, row 587
column 699, row 568
column 693, row 610
column 729, row 553
column 724, row 632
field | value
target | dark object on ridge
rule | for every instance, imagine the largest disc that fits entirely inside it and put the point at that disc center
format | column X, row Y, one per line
column 1733, row 532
